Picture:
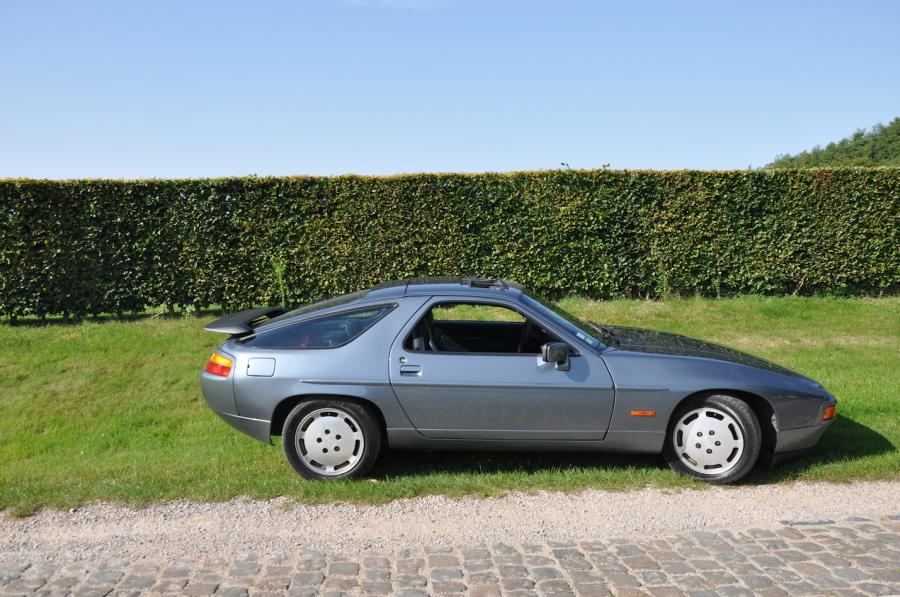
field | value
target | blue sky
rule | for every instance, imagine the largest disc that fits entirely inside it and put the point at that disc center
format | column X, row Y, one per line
column 130, row 89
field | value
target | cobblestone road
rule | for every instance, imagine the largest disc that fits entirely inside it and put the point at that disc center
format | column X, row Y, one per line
column 852, row 557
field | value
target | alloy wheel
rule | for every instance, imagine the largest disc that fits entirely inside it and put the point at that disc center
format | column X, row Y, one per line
column 330, row 441
column 708, row 440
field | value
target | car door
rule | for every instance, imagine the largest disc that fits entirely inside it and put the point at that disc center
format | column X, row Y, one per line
column 500, row 396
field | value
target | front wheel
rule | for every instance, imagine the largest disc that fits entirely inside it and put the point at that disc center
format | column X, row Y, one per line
column 331, row 439
column 715, row 438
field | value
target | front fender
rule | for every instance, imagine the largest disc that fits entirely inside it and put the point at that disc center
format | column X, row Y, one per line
column 660, row 382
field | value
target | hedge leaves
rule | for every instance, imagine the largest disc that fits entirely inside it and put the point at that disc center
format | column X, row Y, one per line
column 102, row 246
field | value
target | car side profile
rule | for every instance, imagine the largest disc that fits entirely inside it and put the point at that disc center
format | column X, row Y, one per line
column 429, row 364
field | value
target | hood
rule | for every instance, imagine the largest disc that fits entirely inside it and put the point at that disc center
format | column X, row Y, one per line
column 653, row 342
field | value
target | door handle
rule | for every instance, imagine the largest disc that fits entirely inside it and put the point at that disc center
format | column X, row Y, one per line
column 410, row 370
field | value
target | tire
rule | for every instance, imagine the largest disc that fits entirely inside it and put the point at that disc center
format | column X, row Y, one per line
column 692, row 447
column 331, row 439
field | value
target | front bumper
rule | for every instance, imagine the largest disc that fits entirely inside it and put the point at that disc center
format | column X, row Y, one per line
column 792, row 443
column 797, row 440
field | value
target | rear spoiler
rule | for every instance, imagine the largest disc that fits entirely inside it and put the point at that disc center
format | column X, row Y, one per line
column 243, row 322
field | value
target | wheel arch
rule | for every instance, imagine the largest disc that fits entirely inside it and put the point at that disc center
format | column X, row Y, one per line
column 284, row 408
column 761, row 407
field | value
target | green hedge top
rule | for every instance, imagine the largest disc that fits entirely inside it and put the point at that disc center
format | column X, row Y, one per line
column 90, row 246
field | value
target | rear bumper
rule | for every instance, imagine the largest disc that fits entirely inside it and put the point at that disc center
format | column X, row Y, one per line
column 255, row 428
column 219, row 395
column 218, row 392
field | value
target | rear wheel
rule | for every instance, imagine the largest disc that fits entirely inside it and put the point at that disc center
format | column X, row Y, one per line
column 715, row 438
column 331, row 439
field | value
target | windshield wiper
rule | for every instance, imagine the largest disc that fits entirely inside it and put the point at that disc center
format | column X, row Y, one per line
column 608, row 334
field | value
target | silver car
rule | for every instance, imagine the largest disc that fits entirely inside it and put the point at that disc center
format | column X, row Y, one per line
column 482, row 364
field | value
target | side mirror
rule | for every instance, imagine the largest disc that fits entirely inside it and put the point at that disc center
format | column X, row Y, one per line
column 556, row 352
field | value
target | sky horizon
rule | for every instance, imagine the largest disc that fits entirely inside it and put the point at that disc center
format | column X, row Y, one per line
column 381, row 87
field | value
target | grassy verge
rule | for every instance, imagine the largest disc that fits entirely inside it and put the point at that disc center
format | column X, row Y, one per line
column 112, row 411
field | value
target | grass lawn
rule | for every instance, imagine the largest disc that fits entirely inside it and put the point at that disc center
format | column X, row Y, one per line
column 112, row 411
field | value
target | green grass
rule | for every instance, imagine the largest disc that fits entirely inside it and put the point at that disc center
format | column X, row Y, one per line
column 112, row 411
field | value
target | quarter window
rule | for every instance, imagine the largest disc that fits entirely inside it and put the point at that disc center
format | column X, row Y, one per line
column 329, row 331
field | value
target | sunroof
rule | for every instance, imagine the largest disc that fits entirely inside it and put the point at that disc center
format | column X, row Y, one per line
column 486, row 283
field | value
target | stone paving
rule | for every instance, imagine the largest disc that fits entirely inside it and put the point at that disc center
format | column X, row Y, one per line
column 852, row 557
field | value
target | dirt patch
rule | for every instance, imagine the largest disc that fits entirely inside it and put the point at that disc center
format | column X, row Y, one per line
column 185, row 529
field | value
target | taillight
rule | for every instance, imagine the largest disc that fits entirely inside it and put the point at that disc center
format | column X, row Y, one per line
column 219, row 364
column 829, row 412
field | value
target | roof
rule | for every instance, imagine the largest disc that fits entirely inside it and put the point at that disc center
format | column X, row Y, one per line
column 429, row 286
column 386, row 291
column 469, row 286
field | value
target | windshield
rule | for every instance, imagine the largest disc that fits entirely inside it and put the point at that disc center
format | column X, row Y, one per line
column 564, row 319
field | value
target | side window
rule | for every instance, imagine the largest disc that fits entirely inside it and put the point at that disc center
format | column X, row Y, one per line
column 474, row 312
column 329, row 331
column 460, row 327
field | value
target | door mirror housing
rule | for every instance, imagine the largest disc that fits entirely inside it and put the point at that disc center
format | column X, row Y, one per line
column 556, row 352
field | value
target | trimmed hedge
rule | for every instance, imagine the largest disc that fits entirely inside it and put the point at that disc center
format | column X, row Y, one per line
column 103, row 246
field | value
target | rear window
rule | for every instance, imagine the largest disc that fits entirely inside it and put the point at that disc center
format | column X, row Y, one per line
column 329, row 331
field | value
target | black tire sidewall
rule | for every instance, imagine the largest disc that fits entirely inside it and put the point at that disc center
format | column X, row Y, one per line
column 371, row 431
column 746, row 419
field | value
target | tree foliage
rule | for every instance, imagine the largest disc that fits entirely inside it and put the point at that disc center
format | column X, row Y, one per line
column 879, row 146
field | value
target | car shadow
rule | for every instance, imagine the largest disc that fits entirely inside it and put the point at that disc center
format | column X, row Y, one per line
column 845, row 440
column 407, row 463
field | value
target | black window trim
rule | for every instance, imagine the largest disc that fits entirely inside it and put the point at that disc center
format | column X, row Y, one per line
column 491, row 302
column 387, row 308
